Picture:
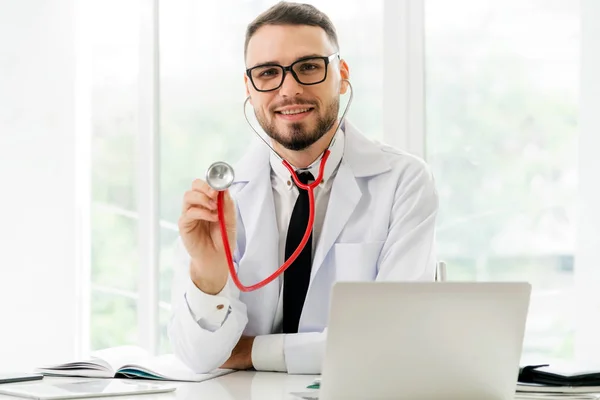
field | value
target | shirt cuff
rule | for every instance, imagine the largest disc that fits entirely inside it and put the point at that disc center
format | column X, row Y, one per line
column 268, row 354
column 209, row 311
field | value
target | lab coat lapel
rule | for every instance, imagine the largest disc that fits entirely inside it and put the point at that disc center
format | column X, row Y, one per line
column 257, row 213
column 255, row 198
column 345, row 195
column 362, row 158
column 261, row 251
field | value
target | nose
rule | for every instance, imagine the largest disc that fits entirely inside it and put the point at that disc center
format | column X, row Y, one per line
column 290, row 87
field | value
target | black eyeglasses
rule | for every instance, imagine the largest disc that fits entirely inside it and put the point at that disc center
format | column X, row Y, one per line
column 306, row 71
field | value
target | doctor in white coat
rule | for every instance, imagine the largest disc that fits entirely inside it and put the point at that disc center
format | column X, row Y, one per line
column 375, row 212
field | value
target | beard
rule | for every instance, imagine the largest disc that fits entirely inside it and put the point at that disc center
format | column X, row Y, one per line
column 300, row 136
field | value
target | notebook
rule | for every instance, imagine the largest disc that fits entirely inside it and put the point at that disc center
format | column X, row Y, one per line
column 129, row 362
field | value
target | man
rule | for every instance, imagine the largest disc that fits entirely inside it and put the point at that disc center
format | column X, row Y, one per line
column 375, row 212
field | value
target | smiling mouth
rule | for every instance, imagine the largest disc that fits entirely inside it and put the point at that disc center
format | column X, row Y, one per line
column 295, row 112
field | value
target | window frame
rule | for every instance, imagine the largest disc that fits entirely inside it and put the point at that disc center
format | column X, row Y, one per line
column 148, row 175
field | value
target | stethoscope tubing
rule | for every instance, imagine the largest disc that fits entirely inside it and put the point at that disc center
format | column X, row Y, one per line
column 309, row 227
column 311, row 199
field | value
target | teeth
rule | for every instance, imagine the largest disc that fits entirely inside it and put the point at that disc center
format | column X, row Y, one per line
column 292, row 112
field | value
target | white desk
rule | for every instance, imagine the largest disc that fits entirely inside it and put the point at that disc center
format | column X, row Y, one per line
column 236, row 386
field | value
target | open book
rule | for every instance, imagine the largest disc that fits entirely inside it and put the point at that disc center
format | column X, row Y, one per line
column 130, row 362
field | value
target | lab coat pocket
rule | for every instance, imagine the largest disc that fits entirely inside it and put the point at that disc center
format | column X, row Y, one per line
column 356, row 261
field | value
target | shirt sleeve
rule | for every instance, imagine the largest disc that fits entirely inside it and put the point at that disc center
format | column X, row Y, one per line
column 268, row 353
column 209, row 311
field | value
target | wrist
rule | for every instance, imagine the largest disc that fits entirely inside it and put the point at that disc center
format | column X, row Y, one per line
column 249, row 344
column 209, row 282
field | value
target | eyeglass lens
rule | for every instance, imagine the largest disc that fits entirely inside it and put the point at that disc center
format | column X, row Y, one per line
column 270, row 77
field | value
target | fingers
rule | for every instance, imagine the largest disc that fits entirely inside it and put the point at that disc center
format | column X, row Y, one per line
column 200, row 203
column 190, row 218
column 227, row 198
column 197, row 213
column 194, row 198
column 201, row 186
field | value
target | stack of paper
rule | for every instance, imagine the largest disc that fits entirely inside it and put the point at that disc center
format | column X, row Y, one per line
column 535, row 391
column 554, row 396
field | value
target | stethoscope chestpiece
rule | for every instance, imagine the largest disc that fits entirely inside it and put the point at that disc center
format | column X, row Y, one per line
column 220, row 175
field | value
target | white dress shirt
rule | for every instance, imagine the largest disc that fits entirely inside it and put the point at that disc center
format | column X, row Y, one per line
column 210, row 311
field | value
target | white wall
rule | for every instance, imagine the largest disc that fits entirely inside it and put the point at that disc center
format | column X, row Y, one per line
column 587, row 258
column 38, row 279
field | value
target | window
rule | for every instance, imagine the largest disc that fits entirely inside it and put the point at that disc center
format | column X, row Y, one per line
column 502, row 119
column 114, row 219
column 201, row 121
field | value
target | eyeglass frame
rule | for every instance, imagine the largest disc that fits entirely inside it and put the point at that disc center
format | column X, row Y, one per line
column 289, row 68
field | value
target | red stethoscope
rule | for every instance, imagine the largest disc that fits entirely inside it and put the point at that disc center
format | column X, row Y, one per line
column 220, row 176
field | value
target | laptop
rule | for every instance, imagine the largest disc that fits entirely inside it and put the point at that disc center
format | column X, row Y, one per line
column 438, row 340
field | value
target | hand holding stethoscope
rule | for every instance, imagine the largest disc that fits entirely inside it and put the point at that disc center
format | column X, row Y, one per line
column 201, row 234
column 207, row 224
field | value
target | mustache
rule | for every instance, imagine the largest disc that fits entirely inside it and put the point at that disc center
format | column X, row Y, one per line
column 294, row 102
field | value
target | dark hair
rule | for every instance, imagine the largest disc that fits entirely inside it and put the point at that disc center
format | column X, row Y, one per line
column 288, row 13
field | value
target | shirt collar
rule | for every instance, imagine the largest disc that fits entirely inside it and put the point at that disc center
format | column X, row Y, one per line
column 335, row 157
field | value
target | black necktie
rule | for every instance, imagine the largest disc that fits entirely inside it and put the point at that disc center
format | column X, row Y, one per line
column 297, row 276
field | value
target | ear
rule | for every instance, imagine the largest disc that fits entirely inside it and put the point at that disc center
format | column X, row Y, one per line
column 344, row 74
column 247, row 84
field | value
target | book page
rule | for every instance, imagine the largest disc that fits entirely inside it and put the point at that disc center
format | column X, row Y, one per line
column 169, row 367
column 94, row 366
column 116, row 357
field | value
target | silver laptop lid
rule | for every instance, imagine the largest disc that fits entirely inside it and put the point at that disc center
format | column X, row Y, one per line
column 393, row 340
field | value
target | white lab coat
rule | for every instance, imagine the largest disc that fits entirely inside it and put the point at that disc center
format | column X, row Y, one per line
column 379, row 225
